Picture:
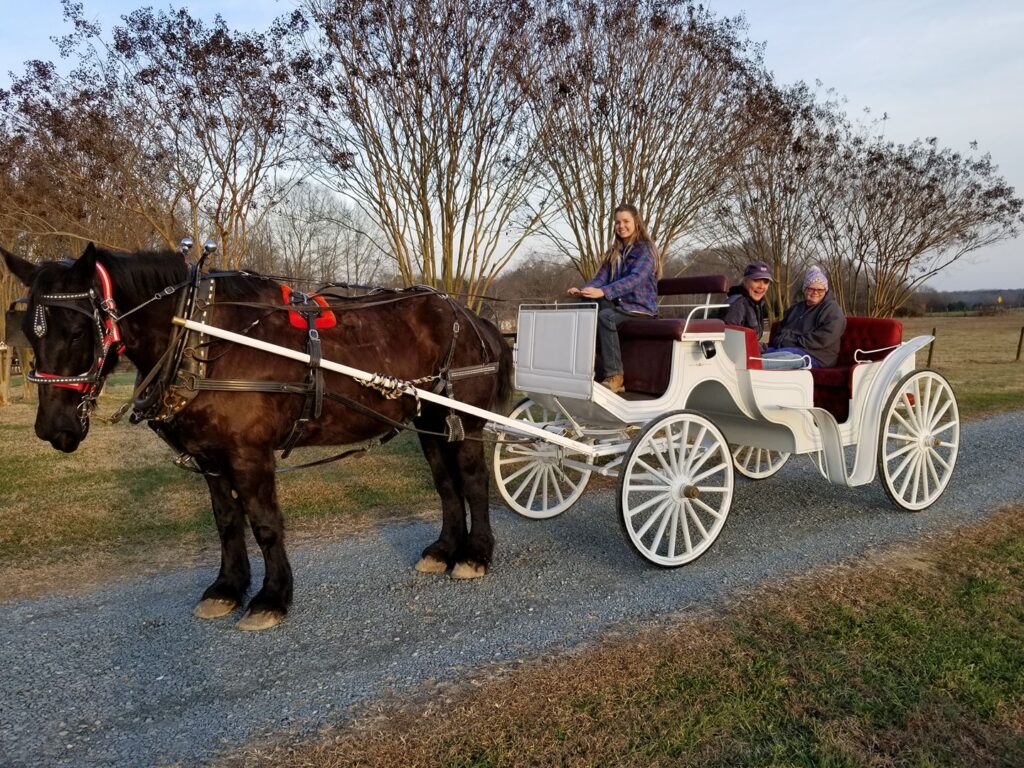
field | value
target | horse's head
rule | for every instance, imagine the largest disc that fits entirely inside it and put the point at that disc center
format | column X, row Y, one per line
column 65, row 325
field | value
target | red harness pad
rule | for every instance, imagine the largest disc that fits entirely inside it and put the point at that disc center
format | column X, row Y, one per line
column 326, row 319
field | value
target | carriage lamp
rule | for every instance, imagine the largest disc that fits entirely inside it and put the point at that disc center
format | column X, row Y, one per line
column 185, row 246
column 209, row 247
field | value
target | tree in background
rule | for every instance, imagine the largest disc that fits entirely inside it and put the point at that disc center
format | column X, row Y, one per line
column 321, row 239
column 644, row 102
column 766, row 211
column 169, row 127
column 421, row 118
column 890, row 216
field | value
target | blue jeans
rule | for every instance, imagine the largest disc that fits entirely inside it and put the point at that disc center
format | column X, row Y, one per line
column 609, row 318
column 785, row 358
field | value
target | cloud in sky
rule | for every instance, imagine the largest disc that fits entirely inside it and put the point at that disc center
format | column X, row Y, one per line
column 940, row 68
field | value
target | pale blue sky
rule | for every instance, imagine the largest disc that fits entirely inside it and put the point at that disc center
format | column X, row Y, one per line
column 942, row 68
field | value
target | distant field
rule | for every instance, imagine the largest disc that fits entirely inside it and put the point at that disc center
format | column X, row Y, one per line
column 976, row 354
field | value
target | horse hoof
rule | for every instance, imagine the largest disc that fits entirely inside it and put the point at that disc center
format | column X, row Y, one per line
column 468, row 571
column 430, row 564
column 212, row 608
column 254, row 621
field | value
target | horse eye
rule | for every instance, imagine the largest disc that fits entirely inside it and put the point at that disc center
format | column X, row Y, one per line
column 77, row 336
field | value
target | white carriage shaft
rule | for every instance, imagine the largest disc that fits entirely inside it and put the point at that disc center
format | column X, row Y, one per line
column 513, row 426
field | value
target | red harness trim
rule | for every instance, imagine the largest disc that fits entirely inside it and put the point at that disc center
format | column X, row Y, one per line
column 325, row 320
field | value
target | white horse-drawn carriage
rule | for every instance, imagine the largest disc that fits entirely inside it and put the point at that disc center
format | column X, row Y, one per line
column 699, row 406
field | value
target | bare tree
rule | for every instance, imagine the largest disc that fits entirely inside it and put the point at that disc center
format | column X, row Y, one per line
column 319, row 238
column 422, row 119
column 168, row 127
column 766, row 213
column 641, row 101
column 891, row 216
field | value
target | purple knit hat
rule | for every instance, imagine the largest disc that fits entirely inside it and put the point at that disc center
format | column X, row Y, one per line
column 816, row 277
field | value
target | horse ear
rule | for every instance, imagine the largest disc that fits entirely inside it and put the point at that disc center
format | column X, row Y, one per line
column 86, row 263
column 23, row 269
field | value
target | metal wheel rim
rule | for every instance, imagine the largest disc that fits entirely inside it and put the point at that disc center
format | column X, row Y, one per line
column 531, row 477
column 757, row 463
column 919, row 441
column 676, row 488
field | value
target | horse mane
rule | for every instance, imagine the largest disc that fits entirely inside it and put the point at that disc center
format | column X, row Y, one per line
column 140, row 273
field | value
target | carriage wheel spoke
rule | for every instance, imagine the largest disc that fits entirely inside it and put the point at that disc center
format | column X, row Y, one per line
column 903, row 465
column 687, row 461
column 696, row 519
column 940, row 430
column 685, row 526
column 932, row 471
column 937, row 417
column 911, row 472
column 672, row 530
column 900, row 436
column 935, row 455
column 655, row 473
column 647, row 504
column 900, row 452
column 911, row 429
column 709, row 509
column 533, row 488
column 708, row 473
column 657, row 515
column 656, row 544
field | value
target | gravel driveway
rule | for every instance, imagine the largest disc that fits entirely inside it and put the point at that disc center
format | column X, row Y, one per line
column 125, row 676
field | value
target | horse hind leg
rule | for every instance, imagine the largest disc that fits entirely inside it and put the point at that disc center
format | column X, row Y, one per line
column 226, row 593
column 442, row 554
column 253, row 478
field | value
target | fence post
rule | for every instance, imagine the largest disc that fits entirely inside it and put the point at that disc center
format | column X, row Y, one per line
column 931, row 348
column 5, row 373
column 1020, row 343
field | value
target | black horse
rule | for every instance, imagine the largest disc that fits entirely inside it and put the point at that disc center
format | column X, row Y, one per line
column 83, row 314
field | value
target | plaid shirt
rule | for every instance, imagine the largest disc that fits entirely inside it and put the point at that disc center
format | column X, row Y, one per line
column 635, row 285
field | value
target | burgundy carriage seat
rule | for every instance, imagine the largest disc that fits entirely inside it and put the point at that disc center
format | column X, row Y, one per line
column 647, row 343
column 874, row 337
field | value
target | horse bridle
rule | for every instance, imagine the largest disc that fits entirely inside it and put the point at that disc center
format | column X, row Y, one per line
column 103, row 311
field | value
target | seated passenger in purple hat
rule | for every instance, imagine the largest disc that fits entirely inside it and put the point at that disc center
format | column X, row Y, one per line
column 747, row 305
column 810, row 330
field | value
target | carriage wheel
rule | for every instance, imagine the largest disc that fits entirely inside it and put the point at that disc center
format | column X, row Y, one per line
column 919, row 440
column 757, row 463
column 532, row 477
column 675, row 488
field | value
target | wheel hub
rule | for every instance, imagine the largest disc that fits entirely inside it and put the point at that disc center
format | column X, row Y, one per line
column 684, row 490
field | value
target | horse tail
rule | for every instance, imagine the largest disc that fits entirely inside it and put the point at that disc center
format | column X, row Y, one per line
column 506, row 369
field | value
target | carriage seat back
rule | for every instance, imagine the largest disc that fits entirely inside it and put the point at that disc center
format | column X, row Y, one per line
column 647, row 343
column 833, row 387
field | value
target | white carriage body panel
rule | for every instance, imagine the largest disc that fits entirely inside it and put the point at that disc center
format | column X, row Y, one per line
column 555, row 349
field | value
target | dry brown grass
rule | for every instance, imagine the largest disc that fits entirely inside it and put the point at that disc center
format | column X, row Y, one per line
column 838, row 667
column 117, row 507
column 977, row 355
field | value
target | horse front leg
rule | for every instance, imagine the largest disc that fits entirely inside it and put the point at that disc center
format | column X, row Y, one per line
column 226, row 593
column 478, row 548
column 252, row 475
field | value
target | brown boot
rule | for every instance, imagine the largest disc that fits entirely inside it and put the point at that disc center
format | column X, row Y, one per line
column 615, row 383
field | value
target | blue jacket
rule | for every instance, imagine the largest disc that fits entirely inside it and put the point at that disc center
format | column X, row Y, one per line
column 634, row 287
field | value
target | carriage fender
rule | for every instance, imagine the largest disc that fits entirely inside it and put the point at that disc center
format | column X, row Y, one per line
column 869, row 408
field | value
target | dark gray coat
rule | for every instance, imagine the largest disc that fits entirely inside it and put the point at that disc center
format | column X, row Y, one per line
column 742, row 310
column 817, row 330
